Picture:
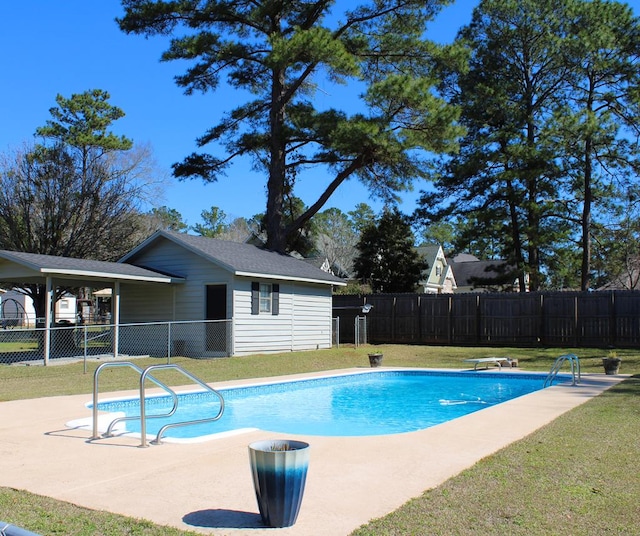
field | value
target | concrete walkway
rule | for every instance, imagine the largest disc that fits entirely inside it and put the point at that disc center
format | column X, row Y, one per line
column 206, row 487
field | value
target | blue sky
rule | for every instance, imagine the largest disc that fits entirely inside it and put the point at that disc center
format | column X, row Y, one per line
column 70, row 46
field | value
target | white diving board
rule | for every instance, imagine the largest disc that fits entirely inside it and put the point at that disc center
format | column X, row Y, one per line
column 498, row 361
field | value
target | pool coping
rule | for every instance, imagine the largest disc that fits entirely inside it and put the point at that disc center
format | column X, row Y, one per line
column 206, row 487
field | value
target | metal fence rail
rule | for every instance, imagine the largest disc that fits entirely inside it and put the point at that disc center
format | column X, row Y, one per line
column 197, row 339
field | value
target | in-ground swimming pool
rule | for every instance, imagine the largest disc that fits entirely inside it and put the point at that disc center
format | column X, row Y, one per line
column 368, row 403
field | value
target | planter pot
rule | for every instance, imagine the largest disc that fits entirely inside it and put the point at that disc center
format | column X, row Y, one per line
column 375, row 360
column 611, row 365
column 279, row 469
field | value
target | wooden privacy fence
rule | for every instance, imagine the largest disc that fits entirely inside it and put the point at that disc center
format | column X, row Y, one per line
column 559, row 319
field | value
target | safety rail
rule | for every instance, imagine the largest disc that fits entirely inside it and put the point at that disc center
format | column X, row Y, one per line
column 96, row 378
column 145, row 375
column 557, row 365
column 143, row 426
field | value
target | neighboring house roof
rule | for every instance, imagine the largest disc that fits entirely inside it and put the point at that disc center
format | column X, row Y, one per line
column 465, row 257
column 319, row 262
column 627, row 281
column 242, row 259
column 438, row 277
column 36, row 267
column 430, row 252
column 472, row 272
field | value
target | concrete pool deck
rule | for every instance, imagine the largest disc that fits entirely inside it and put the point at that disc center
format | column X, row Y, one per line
column 206, row 487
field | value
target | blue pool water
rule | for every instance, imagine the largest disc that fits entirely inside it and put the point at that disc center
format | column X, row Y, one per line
column 373, row 403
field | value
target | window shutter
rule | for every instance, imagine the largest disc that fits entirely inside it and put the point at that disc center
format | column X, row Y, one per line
column 275, row 299
column 255, row 298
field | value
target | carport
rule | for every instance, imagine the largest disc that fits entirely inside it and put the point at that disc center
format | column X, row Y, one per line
column 19, row 268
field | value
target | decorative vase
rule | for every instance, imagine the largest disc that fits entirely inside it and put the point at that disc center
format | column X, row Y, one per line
column 279, row 469
column 375, row 360
column 611, row 365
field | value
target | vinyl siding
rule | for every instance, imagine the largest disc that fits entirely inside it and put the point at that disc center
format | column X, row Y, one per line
column 304, row 322
column 189, row 300
column 146, row 303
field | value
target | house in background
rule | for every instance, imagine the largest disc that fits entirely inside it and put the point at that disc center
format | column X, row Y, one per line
column 473, row 275
column 17, row 309
column 628, row 279
column 438, row 278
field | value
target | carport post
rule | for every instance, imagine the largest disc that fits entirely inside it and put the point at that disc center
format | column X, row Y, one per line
column 47, row 320
column 116, row 318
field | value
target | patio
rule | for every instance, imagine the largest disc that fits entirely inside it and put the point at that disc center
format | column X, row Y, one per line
column 206, row 487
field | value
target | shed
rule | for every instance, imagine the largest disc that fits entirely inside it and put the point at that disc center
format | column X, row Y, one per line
column 262, row 301
column 274, row 302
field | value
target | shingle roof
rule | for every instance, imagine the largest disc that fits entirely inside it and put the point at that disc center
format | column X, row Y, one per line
column 243, row 259
column 429, row 251
column 481, row 273
column 67, row 266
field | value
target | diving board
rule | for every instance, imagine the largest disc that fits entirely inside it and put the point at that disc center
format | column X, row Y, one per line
column 486, row 361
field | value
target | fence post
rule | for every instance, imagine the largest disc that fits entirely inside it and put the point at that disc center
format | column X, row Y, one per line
column 356, row 330
column 86, row 343
column 115, row 306
column 478, row 319
column 541, row 316
column 576, row 335
column 393, row 319
column 419, row 320
column 168, row 343
column 449, row 319
column 364, row 321
column 612, row 319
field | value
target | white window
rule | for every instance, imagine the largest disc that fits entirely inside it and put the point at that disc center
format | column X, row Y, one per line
column 438, row 271
column 265, row 298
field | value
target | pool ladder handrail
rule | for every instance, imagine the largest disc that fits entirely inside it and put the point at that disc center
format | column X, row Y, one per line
column 157, row 440
column 557, row 365
column 96, row 376
column 144, row 375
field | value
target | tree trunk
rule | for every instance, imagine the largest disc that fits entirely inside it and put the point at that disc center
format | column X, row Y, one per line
column 276, row 236
column 38, row 294
column 533, row 215
column 585, row 277
column 515, row 236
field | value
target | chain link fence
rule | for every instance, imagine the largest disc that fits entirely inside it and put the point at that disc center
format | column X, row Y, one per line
column 195, row 339
column 356, row 336
column 360, row 327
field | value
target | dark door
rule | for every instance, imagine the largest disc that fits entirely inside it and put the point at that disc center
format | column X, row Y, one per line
column 216, row 309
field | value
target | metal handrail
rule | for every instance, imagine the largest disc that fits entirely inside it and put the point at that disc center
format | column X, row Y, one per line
column 166, row 427
column 144, row 375
column 96, row 376
column 557, row 365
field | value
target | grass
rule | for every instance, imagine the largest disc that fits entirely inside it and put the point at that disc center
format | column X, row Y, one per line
column 576, row 476
column 18, row 346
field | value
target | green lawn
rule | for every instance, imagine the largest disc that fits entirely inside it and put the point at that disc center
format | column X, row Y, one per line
column 576, row 476
column 18, row 346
